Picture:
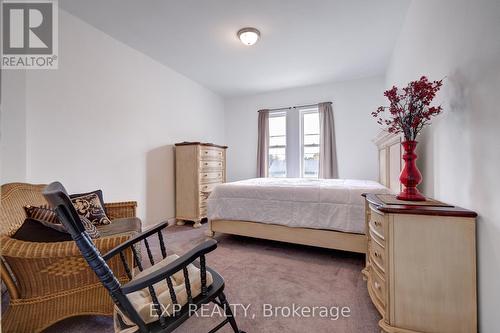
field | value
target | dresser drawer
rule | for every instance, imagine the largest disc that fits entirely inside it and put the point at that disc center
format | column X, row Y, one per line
column 209, row 165
column 203, row 211
column 377, row 223
column 211, row 177
column 377, row 284
column 203, row 205
column 204, row 196
column 203, row 199
column 211, row 154
column 208, row 188
column 377, row 254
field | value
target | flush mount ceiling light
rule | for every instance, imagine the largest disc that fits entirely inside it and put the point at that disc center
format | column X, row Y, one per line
column 248, row 36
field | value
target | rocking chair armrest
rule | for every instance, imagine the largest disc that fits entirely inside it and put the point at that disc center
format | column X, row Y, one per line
column 134, row 240
column 170, row 269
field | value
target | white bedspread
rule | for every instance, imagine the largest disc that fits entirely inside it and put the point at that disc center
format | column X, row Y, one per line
column 334, row 204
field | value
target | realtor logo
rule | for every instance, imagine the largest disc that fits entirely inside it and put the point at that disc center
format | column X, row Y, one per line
column 29, row 35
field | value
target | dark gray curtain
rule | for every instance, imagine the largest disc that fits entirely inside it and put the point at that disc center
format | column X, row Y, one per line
column 263, row 144
column 327, row 150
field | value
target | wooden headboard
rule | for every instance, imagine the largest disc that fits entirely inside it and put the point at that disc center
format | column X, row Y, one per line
column 389, row 160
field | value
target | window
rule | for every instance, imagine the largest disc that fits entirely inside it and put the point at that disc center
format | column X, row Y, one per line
column 294, row 143
column 277, row 145
column 310, row 143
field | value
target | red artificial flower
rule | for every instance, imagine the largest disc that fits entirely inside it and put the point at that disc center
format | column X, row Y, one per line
column 409, row 108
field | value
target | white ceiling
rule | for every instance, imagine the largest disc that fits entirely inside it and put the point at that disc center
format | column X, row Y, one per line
column 303, row 42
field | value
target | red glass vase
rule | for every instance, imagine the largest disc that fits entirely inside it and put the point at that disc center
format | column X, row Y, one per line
column 410, row 176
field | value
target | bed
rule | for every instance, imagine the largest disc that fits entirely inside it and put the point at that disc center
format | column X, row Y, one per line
column 326, row 213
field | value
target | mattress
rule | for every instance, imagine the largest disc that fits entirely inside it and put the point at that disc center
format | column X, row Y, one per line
column 332, row 204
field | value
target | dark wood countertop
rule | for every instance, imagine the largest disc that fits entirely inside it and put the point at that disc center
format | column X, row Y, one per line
column 418, row 209
column 186, row 143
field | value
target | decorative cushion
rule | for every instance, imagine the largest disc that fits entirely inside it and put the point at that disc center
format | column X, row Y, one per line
column 34, row 231
column 45, row 216
column 97, row 192
column 141, row 300
column 90, row 206
column 90, row 228
column 48, row 218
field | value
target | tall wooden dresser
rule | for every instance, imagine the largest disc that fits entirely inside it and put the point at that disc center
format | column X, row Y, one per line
column 421, row 266
column 199, row 167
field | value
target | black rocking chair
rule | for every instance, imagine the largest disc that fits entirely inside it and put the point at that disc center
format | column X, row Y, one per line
column 189, row 266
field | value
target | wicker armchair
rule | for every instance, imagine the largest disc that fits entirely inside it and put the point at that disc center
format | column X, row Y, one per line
column 48, row 282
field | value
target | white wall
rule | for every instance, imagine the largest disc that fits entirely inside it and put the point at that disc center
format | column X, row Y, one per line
column 353, row 101
column 108, row 117
column 460, row 153
column 13, row 126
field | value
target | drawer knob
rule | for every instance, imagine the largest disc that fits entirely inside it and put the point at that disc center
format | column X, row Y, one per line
column 377, row 285
column 377, row 223
column 206, row 163
column 376, row 254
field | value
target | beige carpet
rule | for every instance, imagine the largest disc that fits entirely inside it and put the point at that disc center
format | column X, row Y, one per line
column 261, row 272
